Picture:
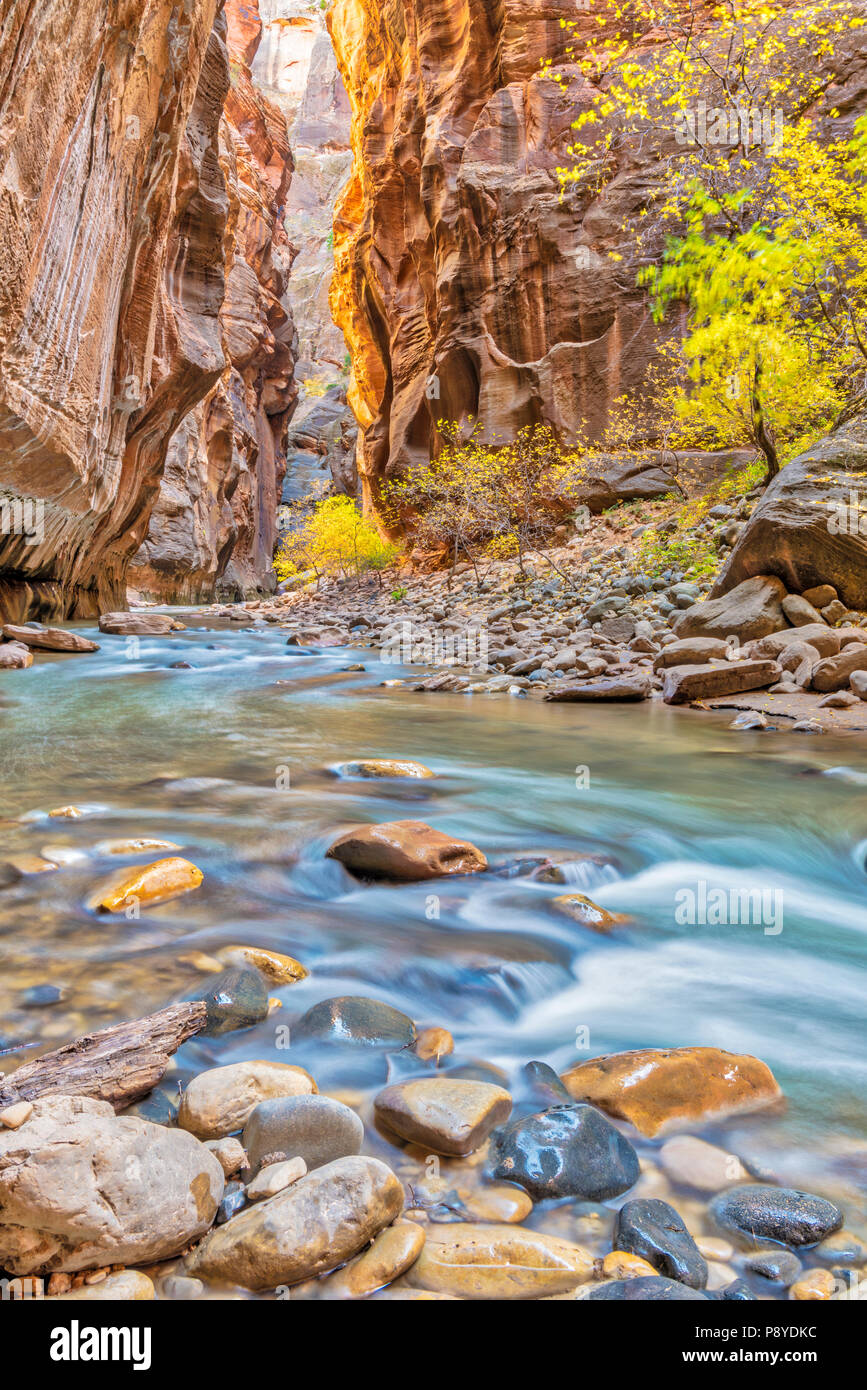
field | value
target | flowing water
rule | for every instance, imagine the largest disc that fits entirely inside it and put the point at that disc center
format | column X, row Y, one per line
column 669, row 799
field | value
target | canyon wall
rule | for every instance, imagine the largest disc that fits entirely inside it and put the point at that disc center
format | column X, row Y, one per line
column 113, row 214
column 214, row 523
column 467, row 283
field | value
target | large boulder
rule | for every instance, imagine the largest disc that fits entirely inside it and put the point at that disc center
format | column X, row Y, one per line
column 81, row 1188
column 808, row 528
column 308, row 1228
column 684, row 683
column 139, row 624
column 498, row 1262
column 660, row 1088
column 49, row 639
column 405, row 850
column 753, row 609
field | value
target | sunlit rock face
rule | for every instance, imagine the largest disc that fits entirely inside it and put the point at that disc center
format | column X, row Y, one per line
column 296, row 68
column 213, row 528
column 113, row 215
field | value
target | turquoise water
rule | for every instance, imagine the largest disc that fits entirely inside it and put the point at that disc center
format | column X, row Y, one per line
column 673, row 799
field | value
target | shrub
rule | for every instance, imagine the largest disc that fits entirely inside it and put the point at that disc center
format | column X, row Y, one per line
column 336, row 540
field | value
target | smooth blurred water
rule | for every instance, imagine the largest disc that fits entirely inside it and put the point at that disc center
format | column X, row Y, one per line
column 673, row 798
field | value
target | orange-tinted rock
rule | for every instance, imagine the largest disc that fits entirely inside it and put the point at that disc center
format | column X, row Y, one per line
column 155, row 883
column 659, row 1088
column 447, row 1114
column 50, row 639
column 589, row 914
column 405, row 850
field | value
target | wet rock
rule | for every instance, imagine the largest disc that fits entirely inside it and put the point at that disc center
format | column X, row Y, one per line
column 279, row 969
column 658, row 1290
column 749, row 719
column 738, row 1291
column 843, row 1248
column 654, row 1230
column 310, row 1228
column 139, row 624
column 448, row 1116
column 405, row 851
column 275, row 1178
column 655, row 1088
column 779, row 1266
column 500, row 1203
column 81, row 1187
column 694, row 1163
column 392, row 1253
column 785, row 1215
column 9, row 874
column 220, row 1101
column 129, row 1286
column 751, row 609
column 685, row 683
column 433, row 1043
column 353, row 1019
column 141, row 846
column 621, row 1264
column 155, row 883
column 565, row 1151
column 50, row 639
column 14, row 656
column 315, row 1128
column 815, row 1285
column 234, row 1200
column 498, row 1262
column 384, row 767
column 583, row 910
column 637, row 687
column 237, row 999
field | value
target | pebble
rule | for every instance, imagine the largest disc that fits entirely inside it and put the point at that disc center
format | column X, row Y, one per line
column 229, row 1153
column 695, row 1163
column 446, row 1115
column 565, row 1151
column 129, row 1286
column 14, row 1116
column 656, row 1290
column 392, row 1253
column 220, row 1101
column 315, row 1128
column 279, row 969
column 498, row 1262
column 794, row 1218
column 654, row 1230
column 621, row 1264
column 433, row 1043
column 814, row 1284
column 355, row 1019
column 155, row 883
column 275, row 1178
column 780, row 1266
column 583, row 910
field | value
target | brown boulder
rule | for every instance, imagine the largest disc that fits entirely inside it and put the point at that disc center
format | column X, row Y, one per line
column 612, row 688
column 685, row 683
column 825, row 640
column 691, row 651
column 753, row 609
column 405, row 850
column 808, row 528
column 139, row 624
column 663, row 1088
column 833, row 673
column 50, row 639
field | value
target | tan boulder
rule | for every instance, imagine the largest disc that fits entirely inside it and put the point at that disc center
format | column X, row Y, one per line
column 498, row 1262
column 384, row 767
column 833, row 673
column 155, row 883
column 50, row 639
column 14, row 656
column 685, row 683
column 691, row 651
column 751, row 609
column 139, row 624
column 81, row 1188
column 405, row 850
column 661, row 1088
column 448, row 1115
column 220, row 1101
column 311, row 1227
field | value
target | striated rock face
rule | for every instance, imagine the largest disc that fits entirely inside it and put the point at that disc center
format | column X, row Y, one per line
column 113, row 214
column 214, row 524
column 460, row 286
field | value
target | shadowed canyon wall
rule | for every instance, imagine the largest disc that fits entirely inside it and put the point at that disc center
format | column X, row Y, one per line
column 137, row 278
column 214, row 524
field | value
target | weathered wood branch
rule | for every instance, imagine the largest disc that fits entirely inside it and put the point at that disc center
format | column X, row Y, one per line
column 119, row 1064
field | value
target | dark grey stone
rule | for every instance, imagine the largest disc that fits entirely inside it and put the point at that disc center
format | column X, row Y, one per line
column 657, row 1290
column 565, row 1151
column 237, row 999
column 354, row 1019
column 653, row 1229
column 780, row 1214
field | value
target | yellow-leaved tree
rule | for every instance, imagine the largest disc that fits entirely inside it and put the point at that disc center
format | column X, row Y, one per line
column 336, row 541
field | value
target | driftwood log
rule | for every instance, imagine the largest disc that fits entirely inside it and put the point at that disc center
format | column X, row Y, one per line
column 119, row 1064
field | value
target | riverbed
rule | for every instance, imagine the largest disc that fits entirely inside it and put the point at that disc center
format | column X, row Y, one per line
column 232, row 758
